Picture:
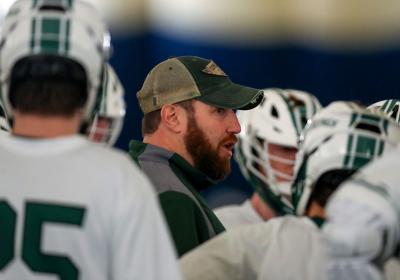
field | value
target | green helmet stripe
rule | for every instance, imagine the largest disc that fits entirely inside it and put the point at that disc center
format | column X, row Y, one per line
column 50, row 35
column 390, row 107
column 353, row 118
column 381, row 146
column 349, row 149
column 293, row 118
column 360, row 150
column 299, row 183
column 385, row 105
column 370, row 118
column 99, row 103
column 67, row 36
column 33, row 34
column 385, row 125
column 104, row 91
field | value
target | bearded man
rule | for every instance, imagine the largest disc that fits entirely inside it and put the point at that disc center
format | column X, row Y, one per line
column 189, row 129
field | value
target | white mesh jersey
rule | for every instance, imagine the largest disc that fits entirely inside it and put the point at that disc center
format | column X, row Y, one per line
column 282, row 248
column 232, row 216
column 70, row 209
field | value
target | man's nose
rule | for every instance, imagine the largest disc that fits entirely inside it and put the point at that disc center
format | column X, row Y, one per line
column 234, row 125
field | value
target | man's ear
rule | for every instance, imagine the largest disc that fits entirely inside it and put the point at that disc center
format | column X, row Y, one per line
column 172, row 116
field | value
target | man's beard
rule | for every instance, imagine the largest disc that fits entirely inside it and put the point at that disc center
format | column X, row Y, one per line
column 205, row 158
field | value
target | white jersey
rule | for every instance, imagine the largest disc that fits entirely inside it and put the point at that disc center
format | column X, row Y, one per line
column 282, row 248
column 71, row 209
column 232, row 216
column 364, row 217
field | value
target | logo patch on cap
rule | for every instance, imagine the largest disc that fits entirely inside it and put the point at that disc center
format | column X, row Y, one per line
column 213, row 69
column 258, row 98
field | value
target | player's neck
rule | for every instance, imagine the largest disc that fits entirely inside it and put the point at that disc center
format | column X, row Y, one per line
column 33, row 125
column 263, row 210
column 315, row 210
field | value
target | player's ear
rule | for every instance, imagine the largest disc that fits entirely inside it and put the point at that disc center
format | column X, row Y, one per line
column 173, row 117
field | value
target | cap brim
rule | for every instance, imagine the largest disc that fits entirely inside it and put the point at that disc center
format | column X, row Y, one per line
column 234, row 96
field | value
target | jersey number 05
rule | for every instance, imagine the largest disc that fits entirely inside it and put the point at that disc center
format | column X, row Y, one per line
column 36, row 214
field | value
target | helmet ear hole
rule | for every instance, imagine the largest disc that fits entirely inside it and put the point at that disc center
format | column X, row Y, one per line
column 395, row 111
column 274, row 112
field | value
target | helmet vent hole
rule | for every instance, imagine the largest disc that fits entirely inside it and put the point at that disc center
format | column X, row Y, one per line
column 303, row 121
column 369, row 127
column 274, row 112
column 52, row 8
column 395, row 111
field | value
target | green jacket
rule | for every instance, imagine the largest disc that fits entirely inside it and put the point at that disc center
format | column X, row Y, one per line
column 177, row 183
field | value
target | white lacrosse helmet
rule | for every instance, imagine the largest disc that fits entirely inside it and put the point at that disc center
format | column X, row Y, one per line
column 343, row 136
column 67, row 28
column 391, row 107
column 109, row 112
column 278, row 120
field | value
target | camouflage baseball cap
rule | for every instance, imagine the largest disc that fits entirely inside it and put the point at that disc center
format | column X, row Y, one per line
column 189, row 77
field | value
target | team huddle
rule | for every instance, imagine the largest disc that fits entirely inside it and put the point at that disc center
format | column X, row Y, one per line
column 326, row 204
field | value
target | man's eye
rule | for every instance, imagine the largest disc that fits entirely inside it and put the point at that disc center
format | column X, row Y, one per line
column 221, row 110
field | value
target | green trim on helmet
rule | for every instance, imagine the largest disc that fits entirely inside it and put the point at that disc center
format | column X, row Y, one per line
column 292, row 117
column 370, row 118
column 299, row 183
column 33, row 33
column 106, row 80
column 353, row 118
column 385, row 125
column 50, row 27
column 381, row 147
column 366, row 146
column 100, row 93
column 67, row 38
column 356, row 118
column 303, row 115
column 348, row 149
column 388, row 105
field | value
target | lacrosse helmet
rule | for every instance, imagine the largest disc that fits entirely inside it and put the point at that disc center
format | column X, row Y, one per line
column 70, row 29
column 391, row 107
column 109, row 111
column 278, row 120
column 343, row 136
